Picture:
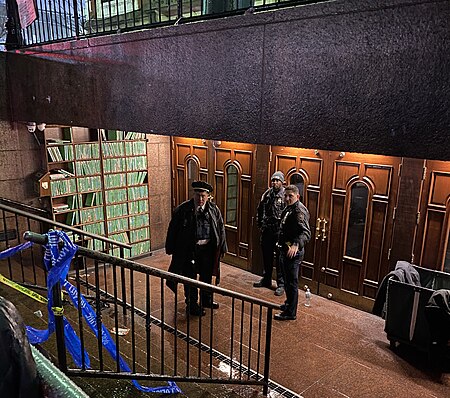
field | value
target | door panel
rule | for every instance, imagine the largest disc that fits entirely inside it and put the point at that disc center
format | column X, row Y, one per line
column 432, row 241
column 212, row 161
column 309, row 164
column 238, row 219
column 189, row 163
column 367, row 227
column 338, row 229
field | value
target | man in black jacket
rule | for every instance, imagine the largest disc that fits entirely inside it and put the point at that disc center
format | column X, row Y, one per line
column 196, row 240
column 294, row 234
column 268, row 221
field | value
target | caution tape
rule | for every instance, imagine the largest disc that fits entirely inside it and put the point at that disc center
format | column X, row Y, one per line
column 58, row 311
column 23, row 289
column 57, row 262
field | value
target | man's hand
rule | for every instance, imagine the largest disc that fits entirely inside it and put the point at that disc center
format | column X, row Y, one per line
column 292, row 251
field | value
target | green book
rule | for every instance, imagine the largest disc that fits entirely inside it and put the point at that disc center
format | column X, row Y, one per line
column 90, row 199
column 72, row 218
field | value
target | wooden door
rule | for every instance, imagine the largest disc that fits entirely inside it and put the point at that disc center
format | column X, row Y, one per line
column 228, row 167
column 310, row 170
column 189, row 163
column 364, row 191
column 431, row 248
column 233, row 170
column 351, row 199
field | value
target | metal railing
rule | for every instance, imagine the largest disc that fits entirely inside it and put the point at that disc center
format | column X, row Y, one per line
column 63, row 20
column 154, row 334
column 150, row 328
column 16, row 218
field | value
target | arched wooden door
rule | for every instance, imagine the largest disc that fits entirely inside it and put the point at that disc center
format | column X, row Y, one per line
column 189, row 163
column 309, row 170
column 351, row 199
column 432, row 246
column 360, row 224
column 233, row 170
column 229, row 168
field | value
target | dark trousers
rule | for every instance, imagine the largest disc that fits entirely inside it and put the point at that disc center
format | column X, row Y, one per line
column 290, row 267
column 203, row 267
column 269, row 240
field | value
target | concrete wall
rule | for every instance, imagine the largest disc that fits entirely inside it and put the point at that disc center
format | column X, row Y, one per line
column 366, row 76
column 160, row 193
column 20, row 158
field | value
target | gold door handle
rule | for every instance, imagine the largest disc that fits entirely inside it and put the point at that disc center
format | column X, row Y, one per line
column 324, row 230
column 319, row 220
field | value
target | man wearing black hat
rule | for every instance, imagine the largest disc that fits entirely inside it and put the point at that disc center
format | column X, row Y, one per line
column 268, row 221
column 196, row 240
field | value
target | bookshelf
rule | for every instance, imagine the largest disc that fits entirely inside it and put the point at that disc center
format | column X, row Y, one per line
column 97, row 180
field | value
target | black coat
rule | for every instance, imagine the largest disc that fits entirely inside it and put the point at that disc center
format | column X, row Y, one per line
column 403, row 272
column 180, row 240
column 269, row 210
column 295, row 226
column 18, row 374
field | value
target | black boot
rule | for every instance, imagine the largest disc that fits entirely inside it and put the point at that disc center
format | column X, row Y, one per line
column 195, row 310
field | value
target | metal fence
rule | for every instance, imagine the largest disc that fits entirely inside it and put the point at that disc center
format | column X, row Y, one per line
column 27, row 267
column 62, row 20
column 154, row 334
column 148, row 323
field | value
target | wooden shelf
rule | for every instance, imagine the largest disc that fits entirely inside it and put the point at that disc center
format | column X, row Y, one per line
column 84, row 169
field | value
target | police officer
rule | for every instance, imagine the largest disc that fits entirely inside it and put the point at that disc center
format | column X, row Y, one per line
column 294, row 234
column 268, row 221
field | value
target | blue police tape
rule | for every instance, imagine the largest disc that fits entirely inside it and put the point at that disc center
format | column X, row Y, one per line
column 107, row 341
column 88, row 313
column 57, row 263
column 36, row 336
column 13, row 250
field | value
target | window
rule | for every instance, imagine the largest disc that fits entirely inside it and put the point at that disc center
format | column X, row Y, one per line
column 357, row 220
column 232, row 195
column 192, row 175
column 297, row 180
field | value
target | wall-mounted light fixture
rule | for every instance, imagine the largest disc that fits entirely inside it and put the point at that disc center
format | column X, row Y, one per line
column 31, row 127
column 341, row 154
column 216, row 143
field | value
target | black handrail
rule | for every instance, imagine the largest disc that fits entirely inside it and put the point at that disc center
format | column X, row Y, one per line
column 57, row 224
column 73, row 19
column 23, row 206
column 134, row 266
column 244, row 327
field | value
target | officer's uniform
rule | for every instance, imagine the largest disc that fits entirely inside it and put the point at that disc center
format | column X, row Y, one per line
column 294, row 229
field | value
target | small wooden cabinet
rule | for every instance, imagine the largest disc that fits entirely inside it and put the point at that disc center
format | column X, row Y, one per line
column 97, row 180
